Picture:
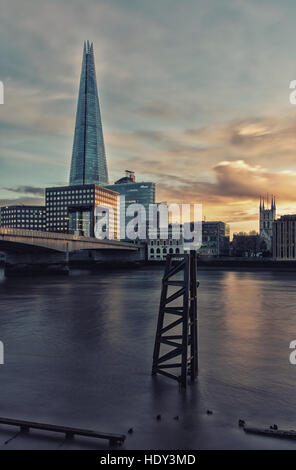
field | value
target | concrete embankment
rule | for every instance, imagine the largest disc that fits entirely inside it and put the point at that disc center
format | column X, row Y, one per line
column 240, row 263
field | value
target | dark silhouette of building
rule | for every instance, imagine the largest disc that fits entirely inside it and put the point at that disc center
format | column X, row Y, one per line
column 248, row 246
column 215, row 239
column 266, row 218
column 284, row 238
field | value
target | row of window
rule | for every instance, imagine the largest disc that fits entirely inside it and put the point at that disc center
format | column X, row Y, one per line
column 83, row 199
column 20, row 211
column 79, row 194
column 54, row 223
column 68, row 191
column 164, row 251
column 165, row 242
column 23, row 216
column 24, row 225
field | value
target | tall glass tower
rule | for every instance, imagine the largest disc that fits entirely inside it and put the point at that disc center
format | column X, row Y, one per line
column 88, row 164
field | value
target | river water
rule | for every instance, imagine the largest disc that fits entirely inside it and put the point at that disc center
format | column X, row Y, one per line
column 78, row 352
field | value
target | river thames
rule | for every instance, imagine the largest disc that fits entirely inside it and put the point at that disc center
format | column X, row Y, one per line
column 78, row 352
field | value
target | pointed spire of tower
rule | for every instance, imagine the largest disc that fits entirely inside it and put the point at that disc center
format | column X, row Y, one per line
column 260, row 202
column 88, row 164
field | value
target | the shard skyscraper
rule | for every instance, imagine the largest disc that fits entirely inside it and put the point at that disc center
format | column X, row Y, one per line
column 88, row 164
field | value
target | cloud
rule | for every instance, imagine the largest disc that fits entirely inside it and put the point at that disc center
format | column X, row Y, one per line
column 27, row 201
column 27, row 190
column 260, row 141
column 158, row 109
column 44, row 111
column 233, row 181
column 205, row 118
column 224, row 166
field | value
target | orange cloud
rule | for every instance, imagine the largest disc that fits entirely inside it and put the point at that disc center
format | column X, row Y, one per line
column 226, row 167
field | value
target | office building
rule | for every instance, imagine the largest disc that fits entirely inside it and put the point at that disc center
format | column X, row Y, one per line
column 134, row 193
column 71, row 209
column 88, row 165
column 284, row 238
column 159, row 248
column 23, row 217
column 215, row 239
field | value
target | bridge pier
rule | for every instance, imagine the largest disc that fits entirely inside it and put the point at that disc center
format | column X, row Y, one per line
column 94, row 259
column 46, row 263
column 20, row 264
column 38, row 252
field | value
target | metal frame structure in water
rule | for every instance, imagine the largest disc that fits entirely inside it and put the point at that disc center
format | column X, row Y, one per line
column 183, row 342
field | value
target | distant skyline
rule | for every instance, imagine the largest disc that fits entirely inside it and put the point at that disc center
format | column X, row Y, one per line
column 194, row 96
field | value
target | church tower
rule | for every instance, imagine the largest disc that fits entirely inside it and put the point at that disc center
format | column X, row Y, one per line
column 266, row 218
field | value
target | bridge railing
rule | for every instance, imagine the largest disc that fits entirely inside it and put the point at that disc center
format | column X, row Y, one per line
column 40, row 233
column 58, row 236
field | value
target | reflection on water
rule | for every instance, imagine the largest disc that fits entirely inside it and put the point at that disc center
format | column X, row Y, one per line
column 78, row 351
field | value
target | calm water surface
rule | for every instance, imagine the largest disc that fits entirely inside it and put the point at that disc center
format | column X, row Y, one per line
column 78, row 351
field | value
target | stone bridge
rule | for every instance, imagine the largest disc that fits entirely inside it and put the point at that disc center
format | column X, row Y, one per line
column 27, row 249
column 12, row 239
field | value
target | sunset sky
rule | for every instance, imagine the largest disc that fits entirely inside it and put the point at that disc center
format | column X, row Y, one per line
column 194, row 96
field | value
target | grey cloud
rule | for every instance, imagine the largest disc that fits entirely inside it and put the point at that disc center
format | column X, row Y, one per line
column 158, row 109
column 27, row 190
column 161, row 69
column 151, row 135
column 29, row 201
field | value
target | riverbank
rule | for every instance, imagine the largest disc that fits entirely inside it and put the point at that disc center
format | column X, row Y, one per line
column 240, row 263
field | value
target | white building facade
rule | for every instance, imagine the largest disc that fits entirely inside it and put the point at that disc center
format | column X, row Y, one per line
column 160, row 247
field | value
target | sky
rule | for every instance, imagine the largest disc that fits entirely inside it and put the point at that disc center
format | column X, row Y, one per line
column 194, row 96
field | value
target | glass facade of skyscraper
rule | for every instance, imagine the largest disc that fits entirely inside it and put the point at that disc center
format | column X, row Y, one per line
column 88, row 164
column 134, row 193
column 139, row 193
